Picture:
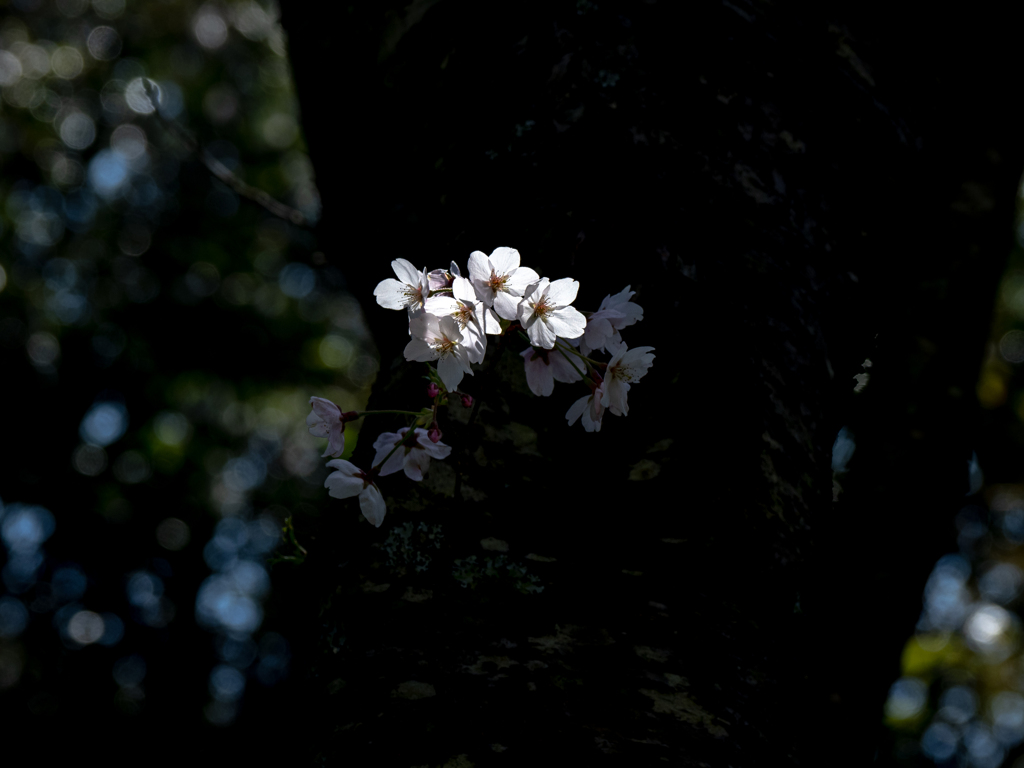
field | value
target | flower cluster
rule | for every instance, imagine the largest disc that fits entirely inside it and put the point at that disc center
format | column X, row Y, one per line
column 450, row 318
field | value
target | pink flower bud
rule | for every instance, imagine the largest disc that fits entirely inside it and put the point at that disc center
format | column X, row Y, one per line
column 467, row 401
column 433, row 390
column 434, row 434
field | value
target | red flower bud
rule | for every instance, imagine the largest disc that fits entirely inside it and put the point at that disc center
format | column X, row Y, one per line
column 434, row 434
column 467, row 401
column 433, row 390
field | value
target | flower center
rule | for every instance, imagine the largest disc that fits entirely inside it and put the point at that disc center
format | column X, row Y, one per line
column 445, row 346
column 542, row 309
column 497, row 282
column 463, row 315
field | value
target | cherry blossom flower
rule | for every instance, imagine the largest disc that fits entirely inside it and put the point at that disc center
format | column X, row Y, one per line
column 348, row 481
column 545, row 312
column 474, row 319
column 499, row 280
column 409, row 291
column 625, row 367
column 544, row 367
column 439, row 338
column 414, row 457
column 439, row 279
column 590, row 408
column 603, row 326
column 326, row 420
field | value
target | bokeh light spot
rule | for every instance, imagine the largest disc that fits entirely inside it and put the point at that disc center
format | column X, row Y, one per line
column 173, row 534
column 171, row 428
column 336, row 351
column 209, row 27
column 67, row 62
column 104, row 43
column 1011, row 346
column 85, row 627
column 137, row 95
column 132, row 467
column 297, row 280
column 226, row 683
column 104, row 423
column 77, row 131
column 89, row 460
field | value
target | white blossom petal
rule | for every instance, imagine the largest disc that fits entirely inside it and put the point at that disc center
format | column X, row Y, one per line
column 504, row 260
column 451, row 372
column 372, row 505
column 567, row 322
column 406, row 272
column 539, row 373
column 506, row 305
column 345, row 482
column 563, row 292
column 392, row 294
column 520, row 279
column 479, row 268
column 420, row 351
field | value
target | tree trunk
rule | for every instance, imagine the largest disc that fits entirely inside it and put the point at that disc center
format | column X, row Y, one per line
column 790, row 190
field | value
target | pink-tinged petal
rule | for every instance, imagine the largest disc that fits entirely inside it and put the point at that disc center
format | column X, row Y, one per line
column 474, row 342
column 372, row 505
column 492, row 324
column 406, row 272
column 567, row 322
column 325, row 409
column 563, row 292
column 391, row 294
column 420, row 351
column 440, row 306
column 561, row 368
column 449, row 328
column 317, row 426
column 479, row 267
column 504, row 260
column 538, row 373
column 520, row 279
column 463, row 290
column 345, row 482
column 576, row 409
column 382, row 447
column 335, row 440
column 615, row 396
column 592, row 415
column 416, row 464
column 598, row 329
column 506, row 305
column 434, row 450
column 540, row 333
column 451, row 372
column 619, row 298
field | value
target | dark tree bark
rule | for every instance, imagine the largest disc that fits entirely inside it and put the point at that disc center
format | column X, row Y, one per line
column 790, row 190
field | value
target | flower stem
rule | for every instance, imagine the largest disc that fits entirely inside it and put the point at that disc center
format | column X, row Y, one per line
column 374, row 413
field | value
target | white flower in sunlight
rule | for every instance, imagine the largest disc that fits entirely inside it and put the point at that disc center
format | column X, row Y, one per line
column 409, row 291
column 325, row 421
column 439, row 338
column 475, row 320
column 349, row 481
column 590, row 409
column 544, row 368
column 625, row 367
column 414, row 457
column 615, row 313
column 499, row 280
column 545, row 312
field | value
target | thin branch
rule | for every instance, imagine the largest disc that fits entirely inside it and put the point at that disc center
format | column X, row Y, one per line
column 221, row 171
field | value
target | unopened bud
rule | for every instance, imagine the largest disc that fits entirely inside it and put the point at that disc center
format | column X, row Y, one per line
column 434, row 434
column 433, row 390
column 467, row 401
